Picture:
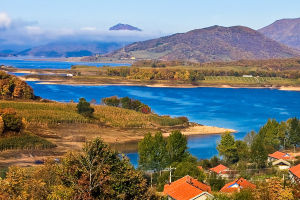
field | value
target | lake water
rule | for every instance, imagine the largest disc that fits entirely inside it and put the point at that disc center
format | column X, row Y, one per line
column 35, row 64
column 240, row 109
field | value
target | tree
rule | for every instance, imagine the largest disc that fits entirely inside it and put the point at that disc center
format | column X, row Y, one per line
column 242, row 150
column 152, row 152
column 177, row 147
column 227, row 148
column 273, row 189
column 188, row 168
column 294, row 131
column 84, row 108
column 259, row 153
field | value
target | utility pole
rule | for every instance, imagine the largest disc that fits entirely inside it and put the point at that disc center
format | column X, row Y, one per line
column 170, row 175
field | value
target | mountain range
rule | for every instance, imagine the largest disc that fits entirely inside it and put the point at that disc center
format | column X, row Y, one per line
column 286, row 31
column 71, row 49
column 214, row 43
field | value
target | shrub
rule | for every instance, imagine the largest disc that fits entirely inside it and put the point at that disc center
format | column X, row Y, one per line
column 11, row 120
column 84, row 108
column 111, row 101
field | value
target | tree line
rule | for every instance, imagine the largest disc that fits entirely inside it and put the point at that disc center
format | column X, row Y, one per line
column 12, row 87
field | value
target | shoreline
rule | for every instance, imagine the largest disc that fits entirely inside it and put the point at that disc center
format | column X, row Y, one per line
column 155, row 85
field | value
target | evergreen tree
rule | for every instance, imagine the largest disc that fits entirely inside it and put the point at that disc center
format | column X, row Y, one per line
column 84, row 108
column 227, row 148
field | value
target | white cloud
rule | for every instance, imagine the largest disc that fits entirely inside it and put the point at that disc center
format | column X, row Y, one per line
column 88, row 29
column 5, row 20
column 34, row 30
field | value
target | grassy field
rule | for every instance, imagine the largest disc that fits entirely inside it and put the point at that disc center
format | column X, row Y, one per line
column 25, row 141
column 54, row 113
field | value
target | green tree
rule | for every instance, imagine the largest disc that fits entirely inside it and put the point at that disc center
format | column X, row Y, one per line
column 259, row 153
column 177, row 147
column 227, row 148
column 293, row 132
column 84, row 108
column 189, row 168
column 152, row 152
column 242, row 150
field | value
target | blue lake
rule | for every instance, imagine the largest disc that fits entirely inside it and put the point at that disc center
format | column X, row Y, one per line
column 36, row 64
column 240, row 109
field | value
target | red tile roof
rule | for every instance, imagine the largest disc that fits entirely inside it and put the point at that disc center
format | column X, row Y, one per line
column 185, row 188
column 236, row 185
column 280, row 155
column 219, row 169
column 295, row 170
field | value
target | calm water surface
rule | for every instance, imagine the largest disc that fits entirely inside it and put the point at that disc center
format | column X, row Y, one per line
column 240, row 109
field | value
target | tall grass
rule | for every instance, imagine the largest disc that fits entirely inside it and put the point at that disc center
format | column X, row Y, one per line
column 25, row 141
column 53, row 113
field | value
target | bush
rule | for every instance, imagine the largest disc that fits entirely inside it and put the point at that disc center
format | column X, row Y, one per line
column 111, row 101
column 11, row 121
column 84, row 108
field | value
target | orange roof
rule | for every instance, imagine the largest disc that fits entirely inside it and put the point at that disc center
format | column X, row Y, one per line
column 219, row 169
column 295, row 170
column 185, row 188
column 280, row 155
column 200, row 167
column 237, row 185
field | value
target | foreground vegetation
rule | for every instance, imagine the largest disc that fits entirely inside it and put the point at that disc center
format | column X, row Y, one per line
column 245, row 158
column 96, row 173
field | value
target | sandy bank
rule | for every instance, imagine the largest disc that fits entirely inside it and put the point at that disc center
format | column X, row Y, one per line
column 203, row 130
column 289, row 88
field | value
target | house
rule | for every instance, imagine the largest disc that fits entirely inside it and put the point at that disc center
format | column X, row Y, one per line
column 294, row 173
column 237, row 185
column 281, row 164
column 247, row 76
column 279, row 155
column 187, row 188
column 221, row 170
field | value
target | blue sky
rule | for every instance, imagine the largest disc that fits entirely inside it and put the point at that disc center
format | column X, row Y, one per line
column 152, row 15
column 155, row 17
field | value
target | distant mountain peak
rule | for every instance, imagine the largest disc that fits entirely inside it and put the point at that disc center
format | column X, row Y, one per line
column 286, row 31
column 120, row 27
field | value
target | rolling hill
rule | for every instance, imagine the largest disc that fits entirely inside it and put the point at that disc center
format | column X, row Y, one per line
column 286, row 31
column 214, row 43
column 123, row 27
column 71, row 49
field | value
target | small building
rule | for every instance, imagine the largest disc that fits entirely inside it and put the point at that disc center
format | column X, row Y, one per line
column 187, row 188
column 247, row 76
column 294, row 174
column 281, row 164
column 237, row 185
column 279, row 155
column 221, row 170
column 69, row 75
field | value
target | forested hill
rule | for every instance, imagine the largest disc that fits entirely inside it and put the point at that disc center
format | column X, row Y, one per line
column 214, row 43
column 11, row 87
column 286, row 31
